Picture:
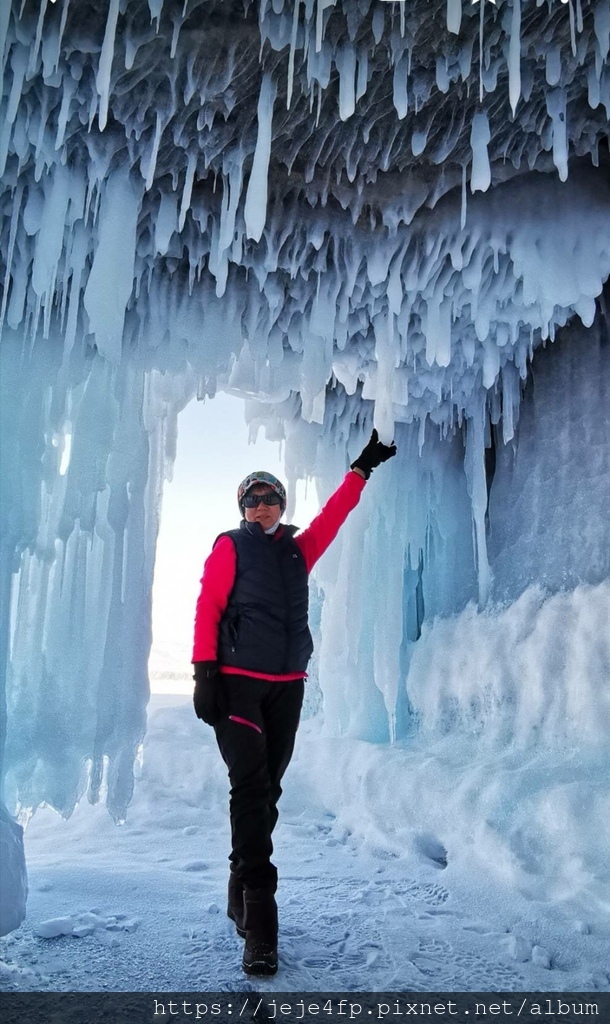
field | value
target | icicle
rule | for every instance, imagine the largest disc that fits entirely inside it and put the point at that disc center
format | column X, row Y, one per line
column 362, row 76
column 102, row 80
column 110, row 280
column 231, row 194
column 421, row 434
column 5, row 139
column 255, row 208
column 78, row 260
column 454, row 16
column 442, row 73
column 572, row 28
column 15, row 214
column 166, row 222
column 321, row 6
column 481, row 35
column 152, row 162
column 187, row 191
column 293, row 43
column 50, row 237
column 18, row 65
column 601, row 22
column 62, row 26
column 474, row 465
column 400, row 94
column 49, row 55
column 378, row 23
column 385, row 355
column 155, row 7
column 93, row 104
column 556, row 107
column 346, row 63
column 464, row 205
column 579, row 19
column 70, row 87
column 491, row 363
column 511, row 397
column 553, row 65
column 480, row 178
column 40, row 139
column 418, row 142
column 514, row 57
column 175, row 36
column 34, row 50
column 437, row 330
column 5, row 16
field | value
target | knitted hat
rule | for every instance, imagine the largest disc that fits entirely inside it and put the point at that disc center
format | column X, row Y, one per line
column 261, row 477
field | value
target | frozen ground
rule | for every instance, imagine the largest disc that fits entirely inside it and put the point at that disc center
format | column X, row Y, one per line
column 366, row 902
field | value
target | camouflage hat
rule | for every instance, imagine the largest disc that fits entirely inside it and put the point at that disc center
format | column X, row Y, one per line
column 261, row 477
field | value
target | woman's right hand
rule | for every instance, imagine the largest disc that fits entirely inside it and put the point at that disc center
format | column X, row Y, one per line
column 206, row 696
column 372, row 455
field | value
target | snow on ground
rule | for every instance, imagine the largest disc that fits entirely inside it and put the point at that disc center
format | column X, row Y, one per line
column 367, row 901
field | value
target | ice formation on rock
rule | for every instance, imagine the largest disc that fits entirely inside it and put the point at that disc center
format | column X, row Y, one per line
column 352, row 213
column 13, row 892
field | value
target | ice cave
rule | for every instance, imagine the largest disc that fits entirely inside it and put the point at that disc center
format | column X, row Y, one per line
column 349, row 213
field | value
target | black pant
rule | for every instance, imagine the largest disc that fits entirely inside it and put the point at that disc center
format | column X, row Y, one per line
column 256, row 739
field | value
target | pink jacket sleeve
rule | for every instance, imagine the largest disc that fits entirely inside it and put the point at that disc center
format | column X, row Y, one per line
column 314, row 541
column 216, row 585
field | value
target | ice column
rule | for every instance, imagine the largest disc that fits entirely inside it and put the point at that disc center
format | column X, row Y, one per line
column 477, row 488
column 80, row 540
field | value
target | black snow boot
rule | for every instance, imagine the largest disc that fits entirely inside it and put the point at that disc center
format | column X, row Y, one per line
column 260, row 951
column 235, row 904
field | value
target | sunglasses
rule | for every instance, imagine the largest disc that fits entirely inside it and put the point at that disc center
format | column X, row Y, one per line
column 253, row 500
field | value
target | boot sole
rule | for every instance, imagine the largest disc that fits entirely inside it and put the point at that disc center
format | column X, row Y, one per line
column 259, row 967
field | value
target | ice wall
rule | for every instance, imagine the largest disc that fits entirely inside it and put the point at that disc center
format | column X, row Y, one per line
column 409, row 558
column 350, row 213
column 550, row 492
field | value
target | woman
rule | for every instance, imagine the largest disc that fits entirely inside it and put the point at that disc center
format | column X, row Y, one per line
column 252, row 646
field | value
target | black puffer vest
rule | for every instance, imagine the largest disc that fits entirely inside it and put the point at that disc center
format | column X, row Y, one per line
column 264, row 627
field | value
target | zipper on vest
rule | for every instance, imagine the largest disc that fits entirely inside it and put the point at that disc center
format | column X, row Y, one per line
column 233, row 635
column 282, row 568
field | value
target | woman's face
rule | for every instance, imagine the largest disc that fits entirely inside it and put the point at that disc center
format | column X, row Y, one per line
column 266, row 515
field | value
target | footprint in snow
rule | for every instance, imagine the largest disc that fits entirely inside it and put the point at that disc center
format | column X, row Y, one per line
column 428, row 892
column 431, row 849
column 462, row 970
column 478, row 929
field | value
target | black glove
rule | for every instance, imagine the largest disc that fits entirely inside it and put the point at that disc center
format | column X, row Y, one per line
column 373, row 454
column 206, row 697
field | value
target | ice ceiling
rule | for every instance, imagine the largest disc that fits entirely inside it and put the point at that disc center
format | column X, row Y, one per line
column 348, row 212
column 320, row 167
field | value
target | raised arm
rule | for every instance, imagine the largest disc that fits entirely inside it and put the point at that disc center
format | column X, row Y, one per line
column 314, row 541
